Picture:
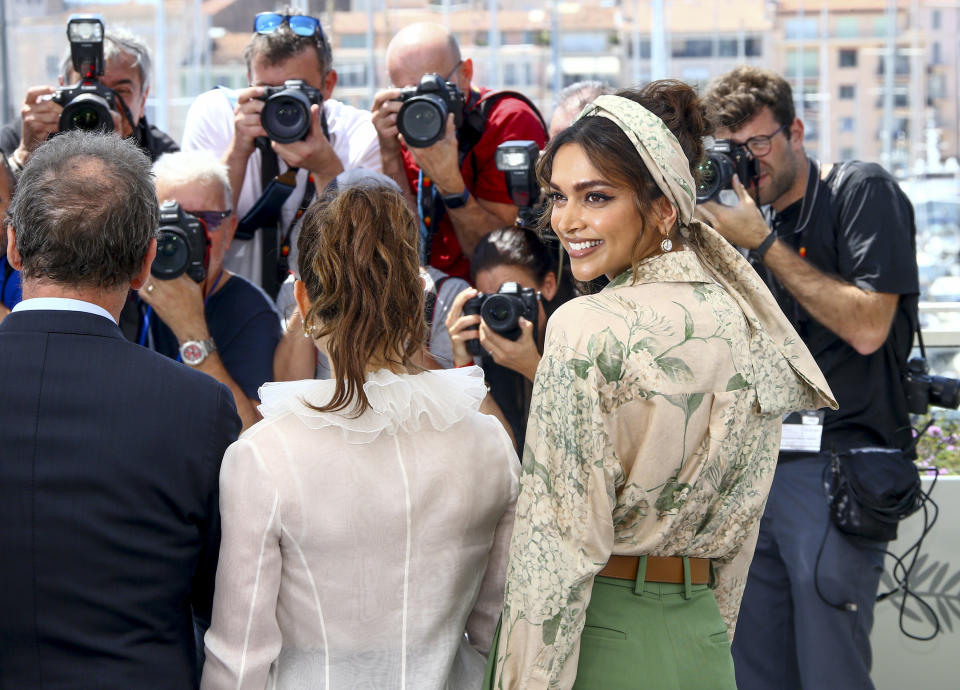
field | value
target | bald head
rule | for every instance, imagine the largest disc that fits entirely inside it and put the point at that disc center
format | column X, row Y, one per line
column 424, row 48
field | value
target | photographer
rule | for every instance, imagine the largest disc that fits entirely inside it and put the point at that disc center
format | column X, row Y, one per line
column 508, row 255
column 838, row 253
column 453, row 181
column 285, row 46
column 127, row 73
column 222, row 325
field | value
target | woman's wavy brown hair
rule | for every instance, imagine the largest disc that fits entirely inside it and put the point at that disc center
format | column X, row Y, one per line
column 359, row 262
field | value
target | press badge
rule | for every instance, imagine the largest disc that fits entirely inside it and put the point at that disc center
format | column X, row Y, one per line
column 802, row 431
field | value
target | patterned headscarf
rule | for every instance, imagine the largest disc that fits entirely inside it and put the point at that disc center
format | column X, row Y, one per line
column 658, row 148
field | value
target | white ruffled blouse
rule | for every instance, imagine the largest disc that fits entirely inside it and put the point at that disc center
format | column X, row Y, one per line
column 367, row 551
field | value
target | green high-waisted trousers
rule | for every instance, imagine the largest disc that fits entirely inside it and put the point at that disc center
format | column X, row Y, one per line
column 652, row 636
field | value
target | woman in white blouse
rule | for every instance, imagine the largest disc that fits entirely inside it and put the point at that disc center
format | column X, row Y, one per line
column 366, row 519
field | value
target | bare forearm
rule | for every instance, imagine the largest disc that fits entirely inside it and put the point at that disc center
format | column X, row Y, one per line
column 859, row 317
column 235, row 158
column 296, row 356
column 472, row 223
column 246, row 408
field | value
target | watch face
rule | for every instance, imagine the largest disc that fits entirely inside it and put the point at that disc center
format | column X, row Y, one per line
column 192, row 353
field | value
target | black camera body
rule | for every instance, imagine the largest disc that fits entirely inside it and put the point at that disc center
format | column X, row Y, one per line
column 286, row 111
column 724, row 160
column 86, row 104
column 923, row 390
column 422, row 119
column 183, row 246
column 501, row 311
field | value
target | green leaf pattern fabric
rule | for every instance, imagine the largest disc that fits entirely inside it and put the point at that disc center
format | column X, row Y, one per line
column 647, row 435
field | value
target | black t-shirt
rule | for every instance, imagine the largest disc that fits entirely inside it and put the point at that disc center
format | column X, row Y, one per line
column 857, row 225
column 245, row 327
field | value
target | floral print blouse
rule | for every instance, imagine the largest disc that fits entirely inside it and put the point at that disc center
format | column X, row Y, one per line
column 654, row 429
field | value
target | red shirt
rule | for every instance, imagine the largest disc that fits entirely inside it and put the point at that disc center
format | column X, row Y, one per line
column 509, row 118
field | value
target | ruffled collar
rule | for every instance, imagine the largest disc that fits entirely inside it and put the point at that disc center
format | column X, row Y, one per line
column 398, row 402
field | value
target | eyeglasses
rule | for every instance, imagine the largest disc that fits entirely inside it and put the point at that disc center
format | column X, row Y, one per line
column 300, row 24
column 212, row 219
column 454, row 70
column 760, row 145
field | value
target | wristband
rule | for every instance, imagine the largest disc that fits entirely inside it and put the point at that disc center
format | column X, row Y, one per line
column 456, row 200
column 763, row 247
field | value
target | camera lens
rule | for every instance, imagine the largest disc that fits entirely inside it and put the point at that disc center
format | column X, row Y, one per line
column 421, row 120
column 715, row 173
column 173, row 255
column 502, row 314
column 87, row 112
column 286, row 117
column 85, row 118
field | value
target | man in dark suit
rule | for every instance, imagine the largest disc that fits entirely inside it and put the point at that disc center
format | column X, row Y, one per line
column 109, row 453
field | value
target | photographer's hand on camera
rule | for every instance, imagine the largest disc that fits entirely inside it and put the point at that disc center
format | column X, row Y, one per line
column 743, row 225
column 521, row 355
column 462, row 328
column 386, row 105
column 313, row 153
column 179, row 304
column 440, row 161
column 40, row 117
column 860, row 317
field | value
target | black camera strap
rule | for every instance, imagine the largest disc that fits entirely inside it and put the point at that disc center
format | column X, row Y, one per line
column 475, row 122
column 277, row 188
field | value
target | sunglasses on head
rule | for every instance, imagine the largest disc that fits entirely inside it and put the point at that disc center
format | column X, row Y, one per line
column 212, row 219
column 301, row 25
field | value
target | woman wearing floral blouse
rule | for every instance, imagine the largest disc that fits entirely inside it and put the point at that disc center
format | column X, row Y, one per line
column 655, row 421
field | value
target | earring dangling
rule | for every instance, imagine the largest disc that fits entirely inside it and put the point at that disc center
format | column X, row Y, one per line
column 666, row 245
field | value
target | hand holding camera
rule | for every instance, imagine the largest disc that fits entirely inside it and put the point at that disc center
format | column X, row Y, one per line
column 183, row 246
column 425, row 118
column 743, row 224
column 501, row 326
column 291, row 117
column 88, row 105
column 40, row 118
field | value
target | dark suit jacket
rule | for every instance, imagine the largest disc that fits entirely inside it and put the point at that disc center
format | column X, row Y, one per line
column 109, row 520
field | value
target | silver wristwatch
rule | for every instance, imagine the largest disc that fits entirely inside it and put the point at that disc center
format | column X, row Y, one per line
column 193, row 352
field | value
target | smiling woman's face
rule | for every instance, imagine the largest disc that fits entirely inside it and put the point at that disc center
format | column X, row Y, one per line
column 596, row 219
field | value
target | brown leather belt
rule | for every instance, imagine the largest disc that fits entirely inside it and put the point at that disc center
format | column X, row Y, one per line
column 659, row 569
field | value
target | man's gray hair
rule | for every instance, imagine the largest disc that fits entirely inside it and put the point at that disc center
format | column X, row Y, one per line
column 580, row 93
column 118, row 41
column 85, row 211
column 194, row 168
